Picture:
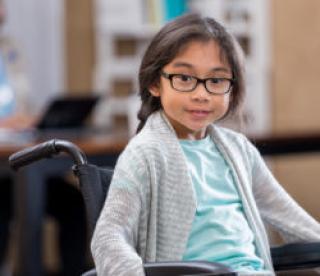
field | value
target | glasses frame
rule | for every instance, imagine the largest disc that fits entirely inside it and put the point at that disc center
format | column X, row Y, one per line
column 199, row 80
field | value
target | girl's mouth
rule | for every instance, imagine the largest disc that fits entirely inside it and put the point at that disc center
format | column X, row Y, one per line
column 199, row 113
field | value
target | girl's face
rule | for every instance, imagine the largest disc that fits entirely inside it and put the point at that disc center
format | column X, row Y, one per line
column 191, row 112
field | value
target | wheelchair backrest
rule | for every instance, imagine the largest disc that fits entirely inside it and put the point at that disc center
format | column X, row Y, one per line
column 94, row 183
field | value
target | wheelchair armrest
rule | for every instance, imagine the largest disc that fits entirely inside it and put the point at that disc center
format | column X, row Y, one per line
column 91, row 272
column 296, row 256
column 195, row 268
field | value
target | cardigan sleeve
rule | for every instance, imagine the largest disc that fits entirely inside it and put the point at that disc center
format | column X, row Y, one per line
column 277, row 207
column 115, row 237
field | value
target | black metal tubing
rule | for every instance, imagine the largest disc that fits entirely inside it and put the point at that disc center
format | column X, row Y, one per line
column 74, row 151
column 46, row 150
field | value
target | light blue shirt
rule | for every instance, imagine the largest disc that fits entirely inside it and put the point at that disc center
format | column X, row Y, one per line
column 220, row 231
column 7, row 97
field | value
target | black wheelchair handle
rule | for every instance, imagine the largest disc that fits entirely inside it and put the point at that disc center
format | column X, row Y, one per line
column 46, row 150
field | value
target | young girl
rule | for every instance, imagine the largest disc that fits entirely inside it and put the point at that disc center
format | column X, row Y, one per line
column 184, row 188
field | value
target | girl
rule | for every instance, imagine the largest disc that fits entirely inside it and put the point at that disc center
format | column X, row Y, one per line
column 184, row 188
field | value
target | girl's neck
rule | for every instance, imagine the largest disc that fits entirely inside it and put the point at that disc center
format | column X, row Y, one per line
column 192, row 136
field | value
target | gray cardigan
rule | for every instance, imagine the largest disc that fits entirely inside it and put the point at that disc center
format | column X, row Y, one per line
column 151, row 204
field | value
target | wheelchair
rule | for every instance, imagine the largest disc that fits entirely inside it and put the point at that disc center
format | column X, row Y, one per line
column 94, row 182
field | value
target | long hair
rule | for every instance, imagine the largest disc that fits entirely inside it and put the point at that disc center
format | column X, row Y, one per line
column 169, row 41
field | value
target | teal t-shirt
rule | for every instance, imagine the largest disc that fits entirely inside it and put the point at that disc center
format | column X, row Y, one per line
column 220, row 231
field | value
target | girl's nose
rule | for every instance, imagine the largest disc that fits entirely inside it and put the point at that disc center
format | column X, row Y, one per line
column 200, row 93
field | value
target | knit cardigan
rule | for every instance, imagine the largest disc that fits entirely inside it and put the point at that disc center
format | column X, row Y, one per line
column 151, row 203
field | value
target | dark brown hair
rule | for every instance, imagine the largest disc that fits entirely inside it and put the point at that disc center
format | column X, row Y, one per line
column 169, row 41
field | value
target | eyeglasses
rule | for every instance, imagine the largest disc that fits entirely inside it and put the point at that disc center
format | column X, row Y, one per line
column 186, row 83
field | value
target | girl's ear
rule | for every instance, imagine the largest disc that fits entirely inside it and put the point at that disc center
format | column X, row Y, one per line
column 155, row 90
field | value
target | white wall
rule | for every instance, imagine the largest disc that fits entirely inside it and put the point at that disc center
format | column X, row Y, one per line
column 37, row 26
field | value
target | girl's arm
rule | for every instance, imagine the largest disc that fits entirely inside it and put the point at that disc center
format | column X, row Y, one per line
column 277, row 207
column 115, row 237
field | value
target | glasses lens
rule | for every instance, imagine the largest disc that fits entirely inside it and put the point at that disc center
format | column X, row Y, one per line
column 218, row 85
column 183, row 82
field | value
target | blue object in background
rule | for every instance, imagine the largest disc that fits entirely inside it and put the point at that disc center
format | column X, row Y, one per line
column 174, row 8
column 7, row 97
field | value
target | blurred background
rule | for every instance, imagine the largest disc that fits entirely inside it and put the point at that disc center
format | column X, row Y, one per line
column 79, row 47
column 82, row 46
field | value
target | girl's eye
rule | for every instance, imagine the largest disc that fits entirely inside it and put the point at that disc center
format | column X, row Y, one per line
column 216, row 80
column 184, row 78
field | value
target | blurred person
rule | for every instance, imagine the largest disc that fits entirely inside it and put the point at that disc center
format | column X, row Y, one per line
column 63, row 201
column 13, row 82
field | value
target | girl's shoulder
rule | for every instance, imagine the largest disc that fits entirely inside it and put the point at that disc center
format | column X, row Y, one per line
column 235, row 142
column 228, row 135
column 156, row 134
column 144, row 140
column 144, row 146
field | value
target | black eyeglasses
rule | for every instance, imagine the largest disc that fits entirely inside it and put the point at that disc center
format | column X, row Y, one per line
column 186, row 83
